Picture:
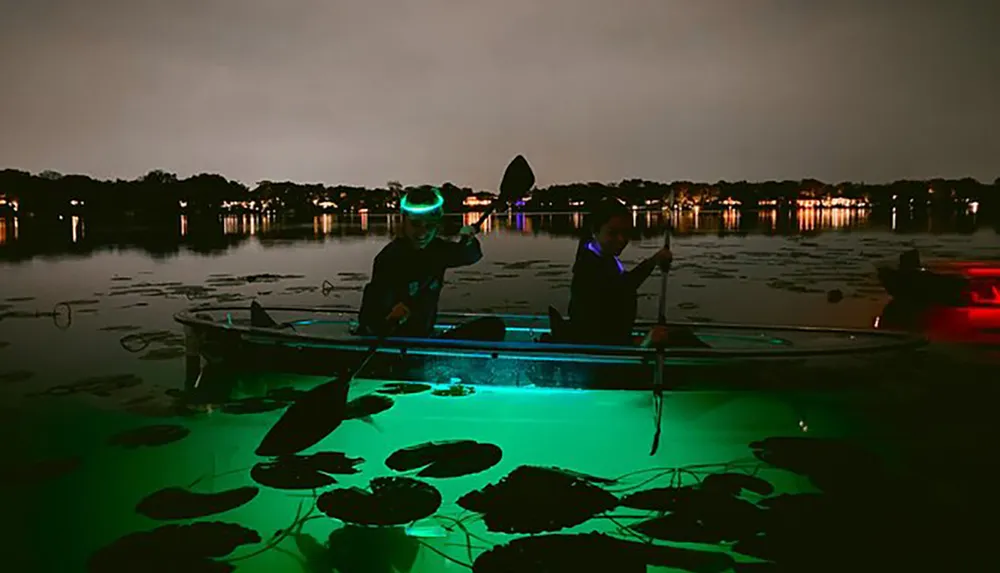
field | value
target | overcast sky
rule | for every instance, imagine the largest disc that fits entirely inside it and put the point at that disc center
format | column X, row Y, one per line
column 426, row 91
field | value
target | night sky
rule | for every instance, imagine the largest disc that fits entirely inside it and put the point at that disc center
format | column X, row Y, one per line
column 426, row 91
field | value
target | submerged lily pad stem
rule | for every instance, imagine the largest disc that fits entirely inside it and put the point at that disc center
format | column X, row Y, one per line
column 214, row 475
column 468, row 534
column 276, row 541
column 445, row 555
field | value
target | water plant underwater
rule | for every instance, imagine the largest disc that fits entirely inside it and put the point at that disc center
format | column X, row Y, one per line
column 861, row 513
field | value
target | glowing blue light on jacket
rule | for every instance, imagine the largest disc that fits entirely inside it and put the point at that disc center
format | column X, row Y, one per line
column 596, row 249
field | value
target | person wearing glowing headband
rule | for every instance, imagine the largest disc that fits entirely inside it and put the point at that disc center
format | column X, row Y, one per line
column 408, row 274
column 603, row 295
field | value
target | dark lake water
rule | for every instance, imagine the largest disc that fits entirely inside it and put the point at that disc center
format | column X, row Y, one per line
column 77, row 301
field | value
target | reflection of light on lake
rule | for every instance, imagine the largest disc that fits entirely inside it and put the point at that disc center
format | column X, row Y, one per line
column 76, row 228
column 893, row 218
column 470, row 218
column 730, row 219
column 577, row 220
column 239, row 224
column 3, row 230
column 322, row 224
column 364, row 221
column 810, row 218
column 184, row 225
column 519, row 222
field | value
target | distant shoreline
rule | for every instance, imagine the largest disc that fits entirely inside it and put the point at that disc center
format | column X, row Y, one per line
column 163, row 194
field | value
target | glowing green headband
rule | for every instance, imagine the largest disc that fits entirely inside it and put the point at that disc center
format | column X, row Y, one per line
column 412, row 209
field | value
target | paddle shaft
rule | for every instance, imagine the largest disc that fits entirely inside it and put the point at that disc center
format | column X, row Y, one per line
column 662, row 320
column 661, row 316
column 486, row 214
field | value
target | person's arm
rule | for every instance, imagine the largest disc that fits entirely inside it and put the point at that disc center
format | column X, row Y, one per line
column 378, row 299
column 464, row 252
column 638, row 275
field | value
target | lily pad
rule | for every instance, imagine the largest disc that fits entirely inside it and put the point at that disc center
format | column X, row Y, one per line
column 833, row 465
column 12, row 376
column 396, row 388
column 81, row 302
column 455, row 391
column 593, row 553
column 659, row 498
column 446, row 459
column 190, row 548
column 154, row 435
column 677, row 527
column 390, row 501
column 120, row 328
column 31, row 473
column 304, row 472
column 735, row 483
column 179, row 503
column 101, row 386
column 168, row 353
column 533, row 499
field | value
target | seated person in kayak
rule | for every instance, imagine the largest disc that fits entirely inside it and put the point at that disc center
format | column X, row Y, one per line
column 408, row 274
column 603, row 295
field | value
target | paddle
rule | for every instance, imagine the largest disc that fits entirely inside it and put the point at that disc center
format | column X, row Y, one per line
column 322, row 409
column 661, row 319
column 517, row 180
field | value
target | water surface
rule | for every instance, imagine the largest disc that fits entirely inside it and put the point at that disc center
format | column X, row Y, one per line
column 88, row 349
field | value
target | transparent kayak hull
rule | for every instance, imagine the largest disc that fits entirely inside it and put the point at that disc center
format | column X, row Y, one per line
column 318, row 341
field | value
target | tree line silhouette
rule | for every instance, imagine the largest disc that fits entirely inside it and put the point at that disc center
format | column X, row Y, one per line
column 160, row 194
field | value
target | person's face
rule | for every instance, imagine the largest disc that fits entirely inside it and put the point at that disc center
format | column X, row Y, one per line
column 614, row 235
column 420, row 229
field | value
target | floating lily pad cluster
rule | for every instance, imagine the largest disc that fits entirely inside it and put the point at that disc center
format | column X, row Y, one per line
column 729, row 509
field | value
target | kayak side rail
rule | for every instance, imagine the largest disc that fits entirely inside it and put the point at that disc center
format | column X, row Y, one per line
column 883, row 341
column 541, row 318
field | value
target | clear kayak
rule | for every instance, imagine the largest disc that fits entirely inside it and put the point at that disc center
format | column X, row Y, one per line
column 320, row 341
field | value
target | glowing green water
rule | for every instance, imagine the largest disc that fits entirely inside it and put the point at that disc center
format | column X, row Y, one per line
column 601, row 433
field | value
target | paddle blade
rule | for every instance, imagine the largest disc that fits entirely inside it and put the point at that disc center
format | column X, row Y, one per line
column 259, row 317
column 518, row 179
column 314, row 416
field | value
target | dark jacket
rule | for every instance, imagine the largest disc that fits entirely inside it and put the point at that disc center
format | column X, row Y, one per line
column 603, row 298
column 405, row 274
